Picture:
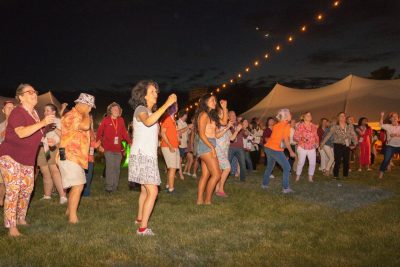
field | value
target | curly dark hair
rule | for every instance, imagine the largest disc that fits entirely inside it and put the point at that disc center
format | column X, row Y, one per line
column 361, row 120
column 212, row 114
column 139, row 91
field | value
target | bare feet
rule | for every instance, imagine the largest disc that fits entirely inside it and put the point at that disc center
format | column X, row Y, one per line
column 73, row 219
column 380, row 175
column 22, row 222
column 297, row 178
column 13, row 231
column 200, row 202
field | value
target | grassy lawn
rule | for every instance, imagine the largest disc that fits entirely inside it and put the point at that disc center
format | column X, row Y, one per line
column 355, row 222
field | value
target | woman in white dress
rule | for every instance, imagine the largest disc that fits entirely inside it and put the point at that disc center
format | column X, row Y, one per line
column 143, row 163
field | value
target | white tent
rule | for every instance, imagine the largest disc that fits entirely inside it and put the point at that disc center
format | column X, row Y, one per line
column 358, row 97
column 43, row 99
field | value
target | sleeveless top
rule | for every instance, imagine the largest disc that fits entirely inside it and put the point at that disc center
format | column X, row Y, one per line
column 211, row 128
column 145, row 139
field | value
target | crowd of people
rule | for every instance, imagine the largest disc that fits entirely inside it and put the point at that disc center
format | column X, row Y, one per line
column 62, row 146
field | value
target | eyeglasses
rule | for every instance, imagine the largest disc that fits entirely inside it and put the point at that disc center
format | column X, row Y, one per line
column 31, row 92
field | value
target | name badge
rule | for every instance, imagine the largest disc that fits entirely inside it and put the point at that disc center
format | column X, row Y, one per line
column 91, row 151
column 116, row 140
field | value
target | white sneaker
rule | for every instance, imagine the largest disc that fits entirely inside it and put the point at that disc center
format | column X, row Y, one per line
column 287, row 191
column 271, row 176
column 147, row 232
column 63, row 200
column 46, row 198
column 194, row 175
column 265, row 187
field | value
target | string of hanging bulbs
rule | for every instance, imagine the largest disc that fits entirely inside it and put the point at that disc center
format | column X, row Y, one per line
column 302, row 29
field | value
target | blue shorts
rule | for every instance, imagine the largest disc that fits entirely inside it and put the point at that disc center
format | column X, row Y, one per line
column 203, row 148
column 182, row 151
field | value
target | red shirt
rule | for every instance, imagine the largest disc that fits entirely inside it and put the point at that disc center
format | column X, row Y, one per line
column 108, row 132
column 22, row 150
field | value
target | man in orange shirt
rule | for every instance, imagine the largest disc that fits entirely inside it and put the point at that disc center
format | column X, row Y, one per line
column 74, row 151
column 170, row 145
column 274, row 148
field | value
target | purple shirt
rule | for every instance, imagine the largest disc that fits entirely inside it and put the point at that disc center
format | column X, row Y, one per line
column 22, row 150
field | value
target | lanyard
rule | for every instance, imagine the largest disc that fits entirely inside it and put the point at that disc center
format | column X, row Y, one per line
column 34, row 116
column 115, row 125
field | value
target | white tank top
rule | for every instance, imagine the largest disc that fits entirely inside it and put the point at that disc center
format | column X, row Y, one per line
column 145, row 139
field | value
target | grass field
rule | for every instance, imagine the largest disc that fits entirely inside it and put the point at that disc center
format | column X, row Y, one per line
column 355, row 222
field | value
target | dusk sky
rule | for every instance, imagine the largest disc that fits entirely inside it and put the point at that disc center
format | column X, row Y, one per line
column 79, row 45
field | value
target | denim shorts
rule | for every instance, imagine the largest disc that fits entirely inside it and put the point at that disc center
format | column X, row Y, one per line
column 182, row 151
column 203, row 148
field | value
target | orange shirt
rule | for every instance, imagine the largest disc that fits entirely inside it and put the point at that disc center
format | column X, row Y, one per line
column 169, row 124
column 279, row 132
column 75, row 141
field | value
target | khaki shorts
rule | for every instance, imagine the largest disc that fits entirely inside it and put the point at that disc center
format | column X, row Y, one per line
column 172, row 159
column 71, row 173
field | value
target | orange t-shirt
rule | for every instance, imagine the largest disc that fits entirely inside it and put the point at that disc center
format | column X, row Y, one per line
column 279, row 132
column 169, row 124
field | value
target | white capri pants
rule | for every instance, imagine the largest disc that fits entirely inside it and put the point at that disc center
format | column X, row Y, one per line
column 312, row 158
column 330, row 157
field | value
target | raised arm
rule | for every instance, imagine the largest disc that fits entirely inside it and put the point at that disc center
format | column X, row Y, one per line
column 224, row 105
column 153, row 118
column 235, row 133
column 381, row 119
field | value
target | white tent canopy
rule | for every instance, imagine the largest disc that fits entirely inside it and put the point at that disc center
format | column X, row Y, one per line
column 358, row 97
column 43, row 99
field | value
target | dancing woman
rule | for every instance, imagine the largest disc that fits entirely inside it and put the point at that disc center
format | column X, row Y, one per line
column 207, row 123
column 143, row 163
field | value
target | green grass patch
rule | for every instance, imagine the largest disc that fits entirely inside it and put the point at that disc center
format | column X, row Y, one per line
column 321, row 224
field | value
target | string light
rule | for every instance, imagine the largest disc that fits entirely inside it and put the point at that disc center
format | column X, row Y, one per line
column 319, row 17
column 211, row 93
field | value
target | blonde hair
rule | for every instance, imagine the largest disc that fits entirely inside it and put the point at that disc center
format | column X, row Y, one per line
column 282, row 114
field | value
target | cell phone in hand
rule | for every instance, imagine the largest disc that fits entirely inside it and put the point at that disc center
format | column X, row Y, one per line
column 62, row 153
